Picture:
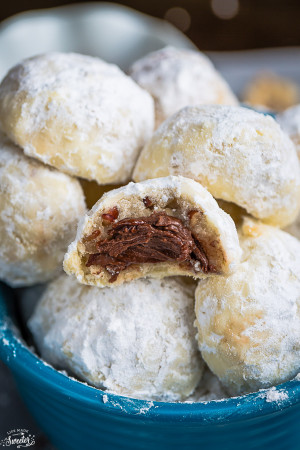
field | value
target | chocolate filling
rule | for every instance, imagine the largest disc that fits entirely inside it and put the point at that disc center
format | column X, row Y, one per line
column 152, row 239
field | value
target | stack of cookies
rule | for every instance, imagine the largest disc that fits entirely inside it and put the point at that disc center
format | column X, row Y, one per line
column 184, row 264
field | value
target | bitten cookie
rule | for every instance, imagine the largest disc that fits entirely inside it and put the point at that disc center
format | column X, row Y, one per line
column 162, row 227
column 137, row 339
column 78, row 114
column 249, row 323
column 177, row 78
column 239, row 155
column 39, row 211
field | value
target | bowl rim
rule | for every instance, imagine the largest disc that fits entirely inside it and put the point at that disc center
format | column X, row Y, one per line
column 24, row 363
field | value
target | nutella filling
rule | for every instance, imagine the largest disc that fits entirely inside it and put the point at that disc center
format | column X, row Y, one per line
column 152, row 239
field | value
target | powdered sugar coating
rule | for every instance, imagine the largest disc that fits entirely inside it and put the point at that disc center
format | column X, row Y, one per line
column 249, row 323
column 176, row 196
column 289, row 121
column 137, row 339
column 39, row 211
column 78, row 114
column 239, row 155
column 274, row 395
column 179, row 77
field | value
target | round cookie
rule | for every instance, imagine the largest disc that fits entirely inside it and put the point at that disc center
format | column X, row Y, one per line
column 179, row 77
column 39, row 211
column 249, row 323
column 137, row 339
column 271, row 91
column 239, row 155
column 289, row 121
column 157, row 228
column 78, row 114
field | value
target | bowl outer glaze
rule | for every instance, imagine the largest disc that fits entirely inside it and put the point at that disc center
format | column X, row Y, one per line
column 77, row 416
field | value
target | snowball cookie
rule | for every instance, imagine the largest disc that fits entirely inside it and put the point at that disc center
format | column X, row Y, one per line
column 177, row 78
column 137, row 339
column 249, row 323
column 39, row 211
column 289, row 121
column 78, row 114
column 271, row 91
column 162, row 227
column 239, row 155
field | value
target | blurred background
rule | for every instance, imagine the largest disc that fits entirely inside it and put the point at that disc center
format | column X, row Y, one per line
column 210, row 24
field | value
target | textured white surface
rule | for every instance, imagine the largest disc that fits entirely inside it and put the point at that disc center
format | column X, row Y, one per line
column 179, row 77
column 78, row 114
column 239, row 155
column 39, row 211
column 137, row 339
column 184, row 195
column 249, row 323
column 274, row 395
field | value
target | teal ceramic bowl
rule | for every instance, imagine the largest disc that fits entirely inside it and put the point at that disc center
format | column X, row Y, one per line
column 76, row 416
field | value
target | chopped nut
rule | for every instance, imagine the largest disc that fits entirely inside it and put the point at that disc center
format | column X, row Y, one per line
column 110, row 216
column 192, row 213
column 147, row 202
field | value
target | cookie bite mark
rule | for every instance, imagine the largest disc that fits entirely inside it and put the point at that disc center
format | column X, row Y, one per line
column 157, row 228
column 152, row 239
